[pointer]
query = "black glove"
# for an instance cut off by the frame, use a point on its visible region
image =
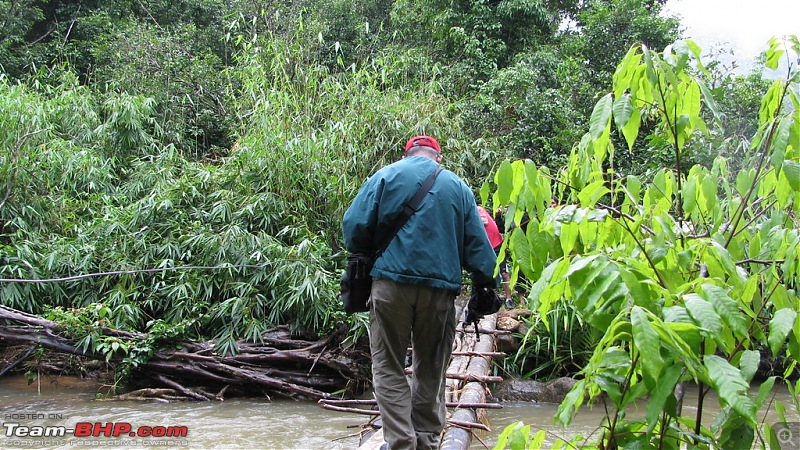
(483, 301)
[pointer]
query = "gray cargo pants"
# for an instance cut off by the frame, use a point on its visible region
(413, 414)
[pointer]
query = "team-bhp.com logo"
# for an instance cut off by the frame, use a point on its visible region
(97, 429)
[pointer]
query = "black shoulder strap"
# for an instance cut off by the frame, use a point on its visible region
(408, 210)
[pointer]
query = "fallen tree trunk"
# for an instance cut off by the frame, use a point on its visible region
(278, 365)
(474, 391)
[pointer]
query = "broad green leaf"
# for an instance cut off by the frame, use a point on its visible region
(648, 345)
(769, 104)
(625, 71)
(484, 192)
(664, 389)
(703, 314)
(590, 194)
(735, 433)
(569, 235)
(601, 117)
(685, 338)
(504, 179)
(744, 179)
(597, 289)
(622, 110)
(631, 129)
(639, 287)
(709, 189)
(748, 364)
(610, 385)
(730, 385)
(708, 99)
(569, 406)
(791, 170)
(780, 326)
(765, 391)
(780, 140)
(727, 308)
(519, 437)
(520, 248)
(627, 119)
(690, 195)
(633, 189)
(548, 288)
(774, 53)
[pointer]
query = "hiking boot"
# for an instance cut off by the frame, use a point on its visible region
(509, 303)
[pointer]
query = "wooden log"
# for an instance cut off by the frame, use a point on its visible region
(459, 438)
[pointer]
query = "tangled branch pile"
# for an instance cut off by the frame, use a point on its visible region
(280, 364)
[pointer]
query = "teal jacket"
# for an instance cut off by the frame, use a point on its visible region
(444, 235)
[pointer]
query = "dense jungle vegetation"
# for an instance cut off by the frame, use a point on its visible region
(181, 168)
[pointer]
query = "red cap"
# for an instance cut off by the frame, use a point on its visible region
(423, 141)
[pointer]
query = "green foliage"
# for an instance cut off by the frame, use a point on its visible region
(526, 109)
(519, 436)
(474, 37)
(73, 206)
(183, 79)
(216, 145)
(18, 18)
(558, 344)
(228, 247)
(313, 138)
(688, 275)
(607, 27)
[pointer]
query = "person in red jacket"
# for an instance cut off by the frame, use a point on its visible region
(496, 239)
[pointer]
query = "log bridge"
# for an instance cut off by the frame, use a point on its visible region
(468, 374)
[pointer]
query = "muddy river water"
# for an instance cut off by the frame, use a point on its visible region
(55, 403)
